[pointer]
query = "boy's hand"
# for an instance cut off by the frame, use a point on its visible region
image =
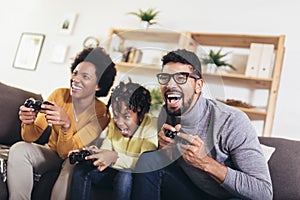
(104, 158)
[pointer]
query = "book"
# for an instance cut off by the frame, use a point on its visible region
(266, 61)
(253, 61)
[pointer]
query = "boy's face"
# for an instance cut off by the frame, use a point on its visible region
(126, 120)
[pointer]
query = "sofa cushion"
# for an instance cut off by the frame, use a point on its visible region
(10, 100)
(267, 151)
(284, 167)
(3, 190)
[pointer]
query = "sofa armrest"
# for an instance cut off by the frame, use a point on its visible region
(11, 99)
(284, 166)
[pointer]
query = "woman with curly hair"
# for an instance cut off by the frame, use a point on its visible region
(77, 118)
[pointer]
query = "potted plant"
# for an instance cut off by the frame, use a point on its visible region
(214, 60)
(156, 100)
(147, 17)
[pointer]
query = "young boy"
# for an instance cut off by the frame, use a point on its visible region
(131, 132)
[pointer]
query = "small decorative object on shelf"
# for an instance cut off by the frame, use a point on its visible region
(213, 61)
(238, 103)
(132, 55)
(147, 17)
(90, 41)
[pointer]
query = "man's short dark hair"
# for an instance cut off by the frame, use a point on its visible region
(185, 57)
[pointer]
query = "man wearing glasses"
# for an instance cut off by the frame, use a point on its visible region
(207, 150)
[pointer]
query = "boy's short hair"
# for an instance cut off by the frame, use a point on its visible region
(136, 97)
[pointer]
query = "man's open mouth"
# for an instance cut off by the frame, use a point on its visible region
(174, 100)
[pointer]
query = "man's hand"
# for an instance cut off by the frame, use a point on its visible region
(164, 141)
(195, 154)
(104, 158)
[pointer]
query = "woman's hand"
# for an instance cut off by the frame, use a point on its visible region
(55, 115)
(27, 115)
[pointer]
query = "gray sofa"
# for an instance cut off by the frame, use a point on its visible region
(10, 100)
(284, 163)
(284, 166)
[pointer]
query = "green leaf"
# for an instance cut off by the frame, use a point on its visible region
(148, 15)
(216, 58)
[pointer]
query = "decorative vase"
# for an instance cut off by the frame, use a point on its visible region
(211, 68)
(144, 24)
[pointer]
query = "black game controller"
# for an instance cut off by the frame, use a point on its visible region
(171, 134)
(36, 104)
(80, 157)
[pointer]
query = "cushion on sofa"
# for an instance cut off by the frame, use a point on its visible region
(10, 100)
(284, 167)
(267, 151)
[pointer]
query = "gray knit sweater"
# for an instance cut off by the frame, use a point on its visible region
(231, 140)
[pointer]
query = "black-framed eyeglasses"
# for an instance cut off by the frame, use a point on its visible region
(179, 78)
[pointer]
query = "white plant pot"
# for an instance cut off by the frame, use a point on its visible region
(144, 24)
(211, 68)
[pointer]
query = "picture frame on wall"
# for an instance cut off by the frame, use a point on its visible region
(67, 23)
(29, 50)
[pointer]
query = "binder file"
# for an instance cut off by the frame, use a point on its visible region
(253, 61)
(266, 61)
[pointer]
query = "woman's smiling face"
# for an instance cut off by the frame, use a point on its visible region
(84, 80)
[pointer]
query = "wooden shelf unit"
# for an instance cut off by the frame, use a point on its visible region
(151, 36)
(270, 84)
(191, 40)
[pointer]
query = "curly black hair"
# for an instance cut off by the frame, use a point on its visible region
(105, 67)
(185, 57)
(136, 97)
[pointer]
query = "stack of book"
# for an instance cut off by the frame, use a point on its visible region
(260, 60)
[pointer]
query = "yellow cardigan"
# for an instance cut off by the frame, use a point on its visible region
(129, 149)
(82, 131)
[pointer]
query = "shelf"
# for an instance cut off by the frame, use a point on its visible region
(254, 114)
(148, 35)
(129, 66)
(261, 83)
(233, 40)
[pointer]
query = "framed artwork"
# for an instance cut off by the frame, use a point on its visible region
(67, 23)
(28, 51)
